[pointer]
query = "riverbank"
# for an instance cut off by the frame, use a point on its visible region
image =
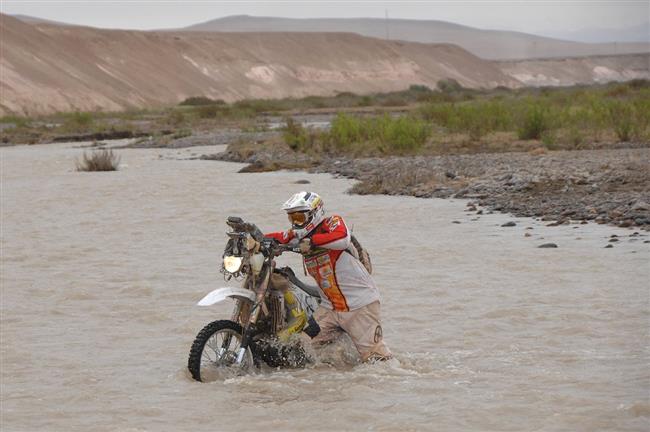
(604, 186)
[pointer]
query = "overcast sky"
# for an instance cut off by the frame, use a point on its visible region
(541, 17)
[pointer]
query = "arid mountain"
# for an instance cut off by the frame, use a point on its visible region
(487, 44)
(47, 68)
(578, 70)
(36, 20)
(638, 33)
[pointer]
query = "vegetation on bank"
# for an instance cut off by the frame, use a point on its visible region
(419, 120)
(360, 135)
(562, 118)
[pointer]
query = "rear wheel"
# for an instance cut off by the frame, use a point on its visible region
(214, 352)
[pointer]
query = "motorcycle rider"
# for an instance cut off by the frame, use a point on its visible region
(350, 300)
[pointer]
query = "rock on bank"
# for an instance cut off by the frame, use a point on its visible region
(604, 186)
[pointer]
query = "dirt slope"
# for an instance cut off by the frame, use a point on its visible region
(578, 70)
(487, 44)
(48, 68)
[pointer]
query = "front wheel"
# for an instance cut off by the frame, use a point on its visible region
(214, 352)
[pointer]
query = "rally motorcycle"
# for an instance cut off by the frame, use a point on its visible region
(270, 306)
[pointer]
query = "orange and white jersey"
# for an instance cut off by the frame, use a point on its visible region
(344, 282)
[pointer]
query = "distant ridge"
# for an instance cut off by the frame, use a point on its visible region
(487, 44)
(48, 68)
(36, 20)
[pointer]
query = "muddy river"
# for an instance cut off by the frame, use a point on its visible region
(101, 273)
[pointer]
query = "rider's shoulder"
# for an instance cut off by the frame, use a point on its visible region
(334, 219)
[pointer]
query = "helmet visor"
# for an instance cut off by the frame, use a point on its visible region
(298, 219)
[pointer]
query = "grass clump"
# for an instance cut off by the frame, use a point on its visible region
(98, 160)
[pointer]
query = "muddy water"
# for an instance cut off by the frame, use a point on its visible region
(101, 271)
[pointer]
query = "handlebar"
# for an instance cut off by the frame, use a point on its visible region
(238, 224)
(277, 249)
(273, 247)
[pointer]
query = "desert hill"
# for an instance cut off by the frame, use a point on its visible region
(48, 68)
(578, 70)
(487, 44)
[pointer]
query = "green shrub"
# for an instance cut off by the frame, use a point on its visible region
(17, 121)
(419, 88)
(207, 111)
(77, 120)
(642, 116)
(182, 133)
(385, 134)
(401, 135)
(476, 118)
(365, 101)
(201, 100)
(619, 90)
(575, 137)
(260, 105)
(621, 116)
(439, 113)
(345, 131)
(449, 85)
(549, 141)
(394, 101)
(638, 83)
(468, 119)
(175, 118)
(535, 122)
(296, 136)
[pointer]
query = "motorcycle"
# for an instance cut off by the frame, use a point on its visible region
(270, 306)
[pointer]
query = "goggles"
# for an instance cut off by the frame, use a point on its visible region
(298, 218)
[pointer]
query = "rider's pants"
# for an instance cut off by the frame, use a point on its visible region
(363, 325)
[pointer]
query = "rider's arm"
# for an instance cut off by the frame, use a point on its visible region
(282, 237)
(336, 236)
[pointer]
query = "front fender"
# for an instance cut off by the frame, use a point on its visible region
(220, 294)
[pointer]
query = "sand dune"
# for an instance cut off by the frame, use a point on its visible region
(48, 68)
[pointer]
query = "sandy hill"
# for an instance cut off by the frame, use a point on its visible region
(36, 20)
(578, 70)
(48, 68)
(487, 44)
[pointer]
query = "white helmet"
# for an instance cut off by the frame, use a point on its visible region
(305, 211)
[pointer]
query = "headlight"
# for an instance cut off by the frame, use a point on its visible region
(232, 264)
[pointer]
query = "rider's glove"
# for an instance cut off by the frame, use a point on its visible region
(305, 245)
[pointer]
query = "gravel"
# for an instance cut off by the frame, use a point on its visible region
(605, 186)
